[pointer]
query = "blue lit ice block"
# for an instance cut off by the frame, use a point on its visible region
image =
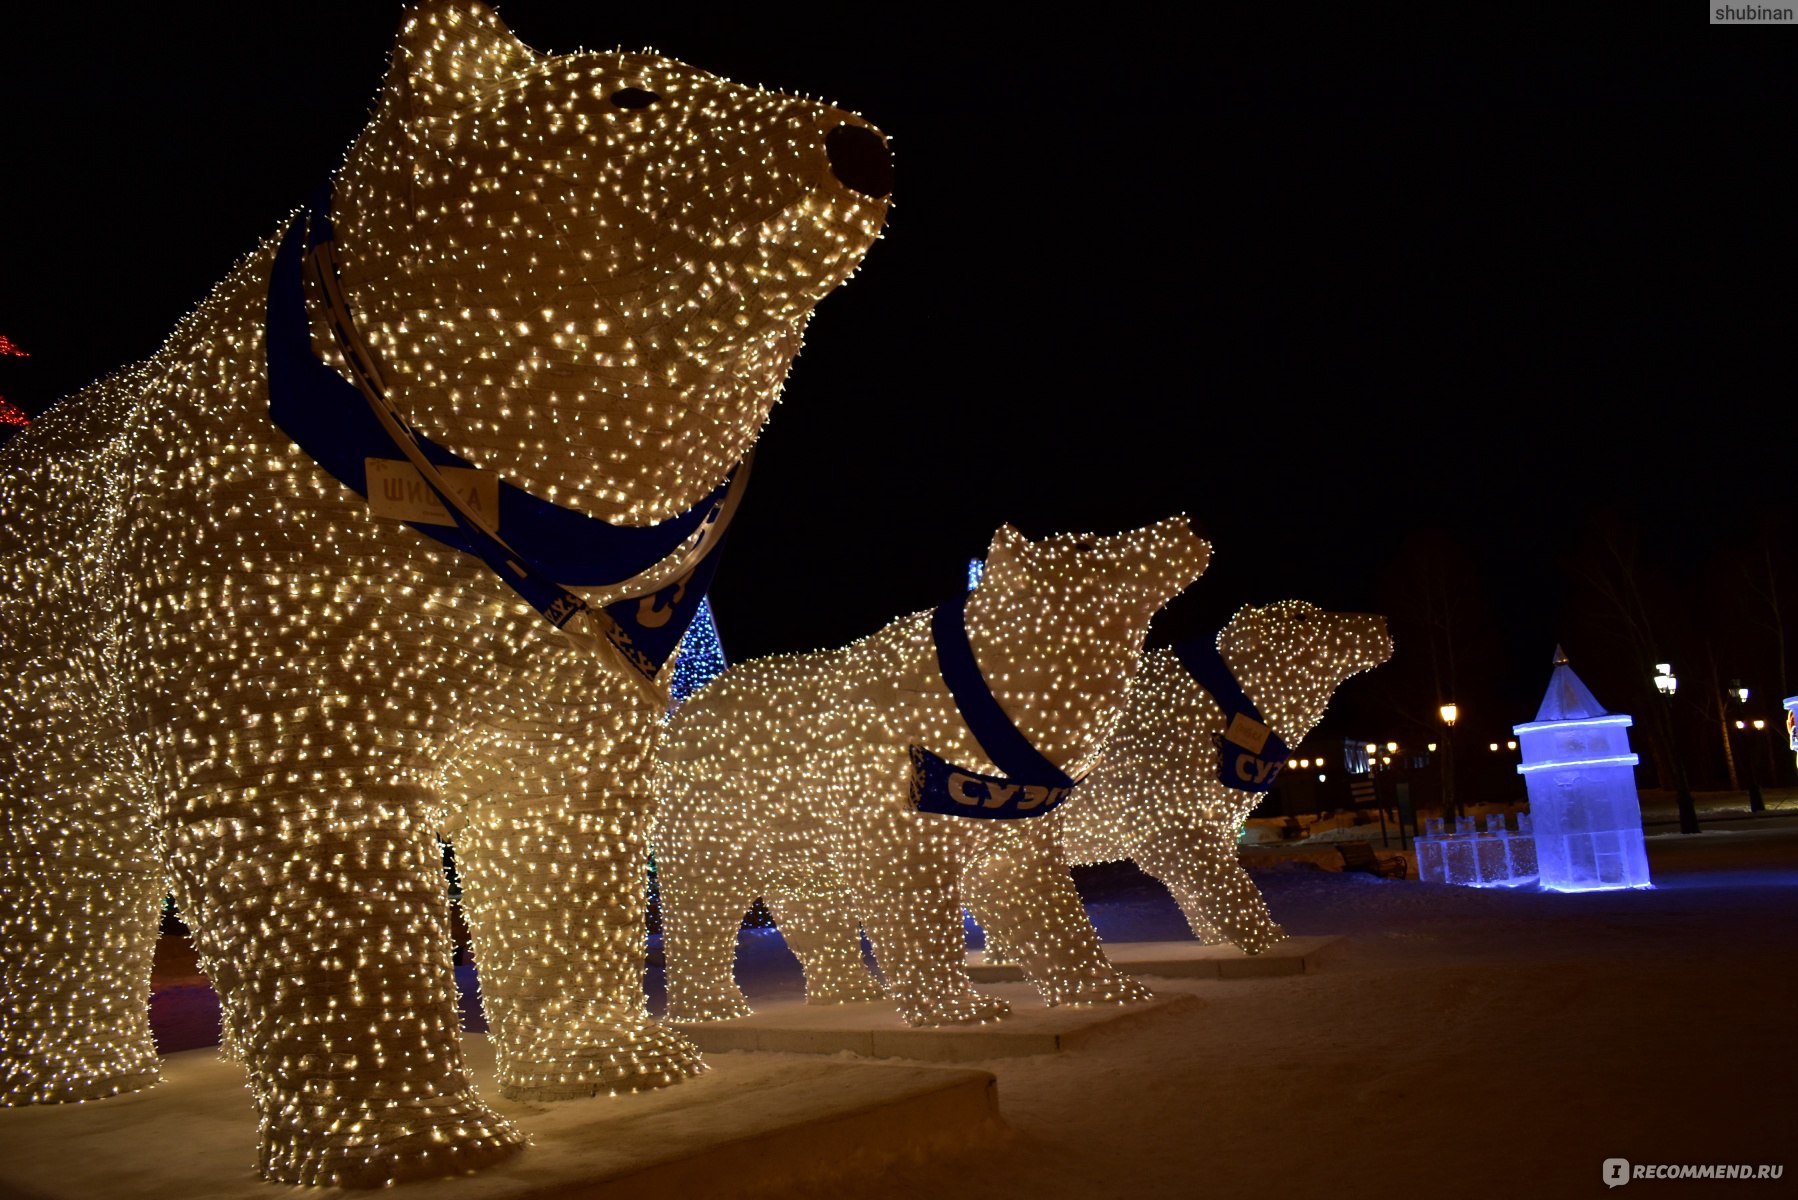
(1498, 858)
(1429, 853)
(1582, 787)
(1521, 849)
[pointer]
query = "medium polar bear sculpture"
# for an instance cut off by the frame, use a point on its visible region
(1160, 797)
(857, 786)
(540, 315)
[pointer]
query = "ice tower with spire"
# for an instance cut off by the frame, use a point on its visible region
(1581, 778)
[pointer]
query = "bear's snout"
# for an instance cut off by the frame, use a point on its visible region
(860, 160)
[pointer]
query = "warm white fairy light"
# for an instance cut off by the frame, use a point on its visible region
(588, 273)
(1156, 797)
(789, 778)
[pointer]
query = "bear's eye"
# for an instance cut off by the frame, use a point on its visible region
(631, 97)
(1086, 546)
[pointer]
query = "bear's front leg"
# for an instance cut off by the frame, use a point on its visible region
(1199, 866)
(1025, 893)
(330, 913)
(554, 872)
(903, 869)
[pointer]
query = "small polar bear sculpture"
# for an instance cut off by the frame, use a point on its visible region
(853, 787)
(567, 289)
(1158, 796)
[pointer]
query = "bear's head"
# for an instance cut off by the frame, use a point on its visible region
(1291, 656)
(590, 272)
(1058, 624)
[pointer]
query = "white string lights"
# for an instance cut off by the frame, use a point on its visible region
(1156, 797)
(587, 273)
(789, 778)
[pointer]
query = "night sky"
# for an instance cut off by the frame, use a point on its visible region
(1320, 298)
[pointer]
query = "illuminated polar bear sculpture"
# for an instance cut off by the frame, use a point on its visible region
(847, 787)
(1157, 796)
(586, 275)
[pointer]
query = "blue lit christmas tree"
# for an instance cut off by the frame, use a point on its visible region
(701, 655)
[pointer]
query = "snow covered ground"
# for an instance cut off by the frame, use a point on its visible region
(1458, 1043)
(1462, 1042)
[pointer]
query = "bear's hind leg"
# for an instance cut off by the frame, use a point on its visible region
(704, 897)
(79, 924)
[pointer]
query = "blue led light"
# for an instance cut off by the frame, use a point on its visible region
(1614, 760)
(1580, 723)
(976, 568)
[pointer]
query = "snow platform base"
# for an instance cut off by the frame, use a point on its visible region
(745, 1127)
(1189, 960)
(874, 1029)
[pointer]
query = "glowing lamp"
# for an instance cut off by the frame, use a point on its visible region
(1665, 681)
(1450, 712)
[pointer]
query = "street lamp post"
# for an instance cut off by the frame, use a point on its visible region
(1667, 683)
(1450, 712)
(1756, 802)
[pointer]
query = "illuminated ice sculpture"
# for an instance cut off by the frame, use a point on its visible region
(1791, 707)
(1581, 779)
(381, 544)
(860, 787)
(1469, 857)
(1172, 791)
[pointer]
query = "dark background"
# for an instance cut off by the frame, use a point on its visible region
(1486, 340)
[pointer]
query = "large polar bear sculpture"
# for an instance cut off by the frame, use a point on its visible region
(563, 289)
(856, 787)
(1173, 789)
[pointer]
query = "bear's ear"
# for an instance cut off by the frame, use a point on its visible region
(450, 51)
(1240, 627)
(1006, 551)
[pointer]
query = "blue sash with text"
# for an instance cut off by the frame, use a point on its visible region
(1250, 754)
(539, 549)
(1031, 785)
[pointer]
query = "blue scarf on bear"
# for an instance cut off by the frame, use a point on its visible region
(1250, 754)
(534, 546)
(1031, 785)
